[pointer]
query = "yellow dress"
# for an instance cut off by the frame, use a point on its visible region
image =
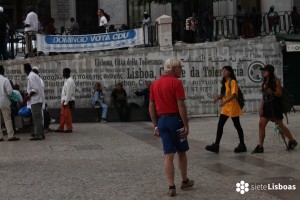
(232, 108)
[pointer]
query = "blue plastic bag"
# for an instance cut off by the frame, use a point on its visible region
(24, 112)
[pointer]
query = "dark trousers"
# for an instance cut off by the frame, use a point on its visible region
(101, 29)
(237, 125)
(47, 118)
(13, 113)
(3, 48)
(123, 111)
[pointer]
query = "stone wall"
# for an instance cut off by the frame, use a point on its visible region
(201, 72)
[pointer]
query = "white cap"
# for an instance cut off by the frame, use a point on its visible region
(1, 9)
(36, 68)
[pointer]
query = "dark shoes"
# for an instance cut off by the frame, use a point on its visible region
(258, 149)
(187, 184)
(33, 135)
(61, 131)
(35, 138)
(1, 139)
(213, 148)
(292, 144)
(13, 139)
(172, 191)
(240, 148)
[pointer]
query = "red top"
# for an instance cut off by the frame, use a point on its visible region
(164, 92)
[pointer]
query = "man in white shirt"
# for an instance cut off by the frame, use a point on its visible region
(5, 93)
(31, 27)
(67, 102)
(35, 99)
(102, 21)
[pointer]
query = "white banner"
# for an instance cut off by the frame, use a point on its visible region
(93, 42)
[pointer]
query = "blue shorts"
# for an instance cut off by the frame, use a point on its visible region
(167, 127)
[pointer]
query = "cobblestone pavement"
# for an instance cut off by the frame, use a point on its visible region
(124, 161)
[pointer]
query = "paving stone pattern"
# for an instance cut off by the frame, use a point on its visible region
(124, 161)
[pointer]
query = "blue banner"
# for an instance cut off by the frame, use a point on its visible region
(92, 42)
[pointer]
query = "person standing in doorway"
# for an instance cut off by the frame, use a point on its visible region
(230, 108)
(103, 22)
(67, 102)
(35, 99)
(4, 23)
(146, 23)
(74, 27)
(273, 20)
(31, 27)
(241, 17)
(169, 116)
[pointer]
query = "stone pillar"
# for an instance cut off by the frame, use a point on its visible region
(279, 5)
(117, 10)
(165, 32)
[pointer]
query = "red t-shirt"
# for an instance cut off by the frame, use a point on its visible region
(164, 92)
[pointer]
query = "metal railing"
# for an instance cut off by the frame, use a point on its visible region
(227, 27)
(16, 41)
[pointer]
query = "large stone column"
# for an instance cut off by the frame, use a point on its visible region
(224, 8)
(62, 13)
(117, 10)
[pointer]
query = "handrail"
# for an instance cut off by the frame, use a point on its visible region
(226, 26)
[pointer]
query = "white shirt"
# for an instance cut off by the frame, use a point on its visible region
(146, 21)
(34, 84)
(33, 21)
(68, 91)
(102, 21)
(5, 92)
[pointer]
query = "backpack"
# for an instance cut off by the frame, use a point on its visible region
(287, 103)
(240, 97)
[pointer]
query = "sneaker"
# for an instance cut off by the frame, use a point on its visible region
(258, 149)
(13, 139)
(1, 139)
(292, 144)
(103, 121)
(172, 191)
(240, 148)
(187, 184)
(213, 148)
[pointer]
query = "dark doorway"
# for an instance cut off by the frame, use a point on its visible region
(87, 15)
(291, 74)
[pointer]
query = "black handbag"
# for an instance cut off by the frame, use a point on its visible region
(72, 104)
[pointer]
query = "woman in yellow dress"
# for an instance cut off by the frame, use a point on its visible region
(230, 108)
